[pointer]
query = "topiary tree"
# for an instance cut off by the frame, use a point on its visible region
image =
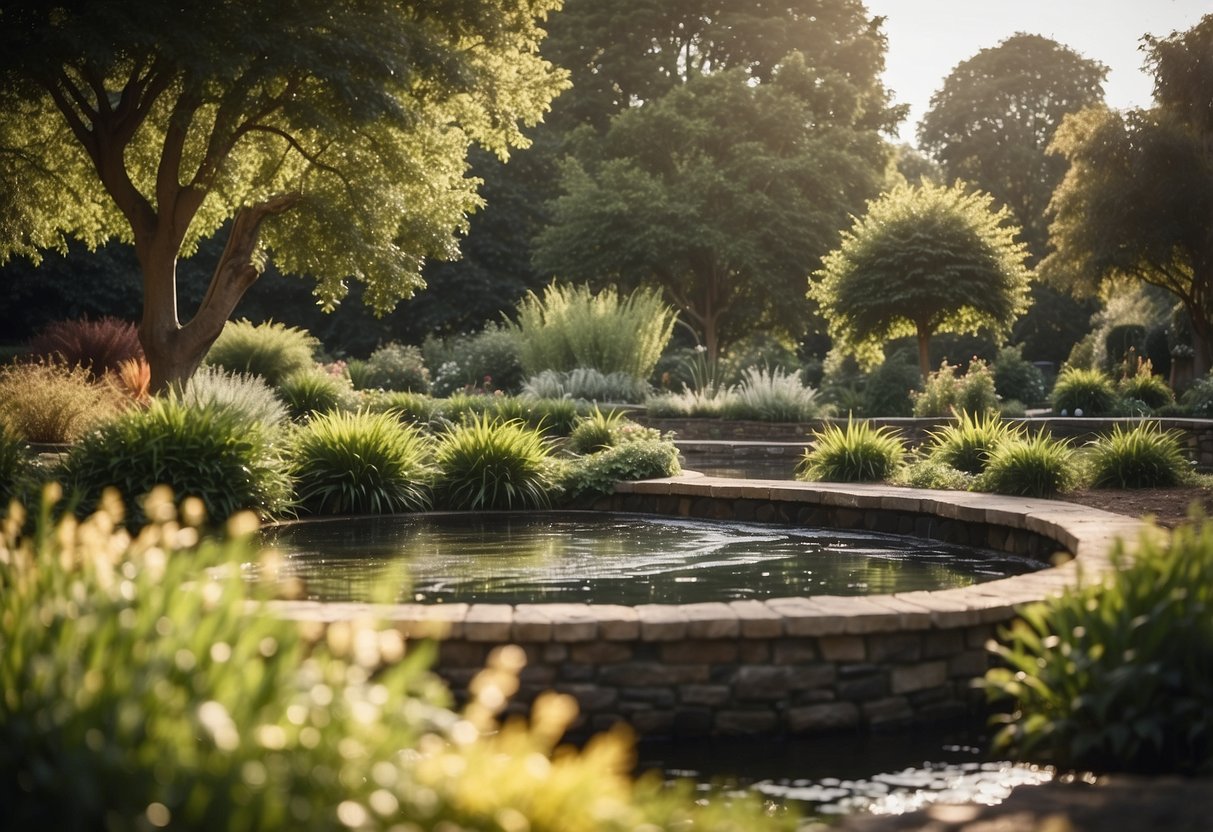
(332, 134)
(924, 259)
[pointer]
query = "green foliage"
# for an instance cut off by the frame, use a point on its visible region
(53, 402)
(933, 473)
(945, 392)
(360, 463)
(410, 408)
(1079, 392)
(703, 402)
(99, 346)
(572, 327)
(554, 417)
(860, 453)
(967, 444)
(1017, 378)
(213, 453)
(395, 367)
(270, 350)
(1116, 674)
(923, 259)
(247, 395)
(315, 391)
(1142, 457)
(16, 466)
(1142, 385)
(1198, 398)
(588, 384)
(641, 459)
(596, 431)
(167, 699)
(889, 389)
(356, 369)
(485, 464)
(1029, 466)
(488, 360)
(772, 396)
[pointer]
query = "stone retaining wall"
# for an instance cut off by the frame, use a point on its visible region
(781, 665)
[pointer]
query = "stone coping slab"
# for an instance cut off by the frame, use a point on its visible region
(1087, 535)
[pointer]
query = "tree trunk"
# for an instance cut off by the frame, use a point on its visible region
(924, 351)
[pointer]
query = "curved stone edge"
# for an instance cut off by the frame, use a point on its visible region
(1087, 534)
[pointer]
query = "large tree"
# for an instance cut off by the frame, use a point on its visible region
(923, 259)
(1137, 201)
(332, 134)
(720, 192)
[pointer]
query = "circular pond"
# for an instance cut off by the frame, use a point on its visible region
(604, 558)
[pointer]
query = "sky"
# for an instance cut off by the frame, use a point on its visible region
(928, 38)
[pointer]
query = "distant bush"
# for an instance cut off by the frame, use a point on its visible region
(1142, 457)
(315, 391)
(53, 402)
(946, 392)
(1017, 378)
(933, 473)
(485, 464)
(395, 367)
(486, 361)
(247, 395)
(270, 350)
(642, 459)
(966, 445)
(889, 389)
(1116, 674)
(772, 396)
(213, 453)
(1079, 392)
(860, 453)
(1140, 384)
(99, 346)
(587, 384)
(360, 463)
(1030, 466)
(571, 327)
(707, 403)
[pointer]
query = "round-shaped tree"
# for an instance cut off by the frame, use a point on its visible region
(924, 259)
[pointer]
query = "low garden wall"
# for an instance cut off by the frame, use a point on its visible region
(782, 665)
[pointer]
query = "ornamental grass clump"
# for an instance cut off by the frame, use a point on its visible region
(212, 453)
(308, 392)
(16, 466)
(773, 395)
(1079, 392)
(244, 394)
(1143, 386)
(1144, 456)
(572, 327)
(945, 392)
(100, 346)
(596, 431)
(270, 350)
(967, 443)
(170, 700)
(588, 384)
(487, 464)
(860, 453)
(1029, 466)
(54, 402)
(360, 463)
(1116, 674)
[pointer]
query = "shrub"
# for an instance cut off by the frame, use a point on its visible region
(51, 402)
(945, 392)
(1017, 378)
(99, 346)
(248, 396)
(1031, 466)
(1143, 457)
(1140, 384)
(595, 432)
(641, 459)
(360, 463)
(486, 464)
(165, 699)
(889, 389)
(933, 473)
(396, 367)
(1198, 398)
(772, 396)
(967, 443)
(270, 350)
(572, 327)
(1116, 674)
(314, 391)
(212, 453)
(861, 453)
(488, 360)
(409, 408)
(587, 384)
(1079, 392)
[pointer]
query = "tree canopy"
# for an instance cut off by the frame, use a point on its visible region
(1137, 200)
(923, 259)
(332, 135)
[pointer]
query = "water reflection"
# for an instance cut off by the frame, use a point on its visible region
(604, 558)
